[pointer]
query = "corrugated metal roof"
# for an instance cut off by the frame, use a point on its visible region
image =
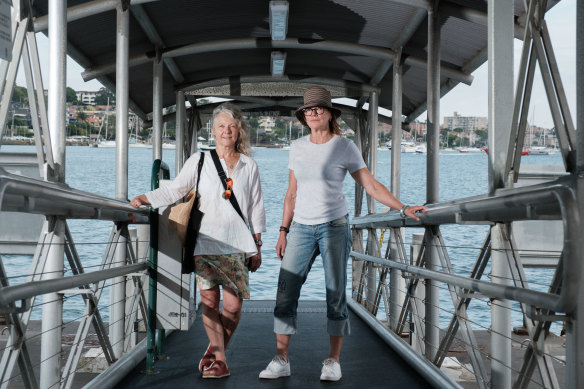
(376, 24)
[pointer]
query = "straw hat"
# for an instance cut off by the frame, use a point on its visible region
(317, 96)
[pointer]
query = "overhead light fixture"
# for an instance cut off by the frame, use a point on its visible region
(278, 20)
(278, 63)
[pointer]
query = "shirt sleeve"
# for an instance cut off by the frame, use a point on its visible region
(291, 155)
(178, 187)
(354, 159)
(256, 211)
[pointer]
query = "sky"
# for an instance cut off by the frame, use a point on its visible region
(464, 99)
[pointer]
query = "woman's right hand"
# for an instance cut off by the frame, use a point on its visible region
(139, 201)
(281, 245)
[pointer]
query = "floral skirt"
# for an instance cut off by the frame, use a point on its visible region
(227, 269)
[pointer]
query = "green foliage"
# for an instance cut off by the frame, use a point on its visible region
(81, 116)
(19, 95)
(483, 134)
(71, 95)
(253, 122)
(18, 122)
(103, 95)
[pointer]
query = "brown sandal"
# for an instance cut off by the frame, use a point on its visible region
(207, 360)
(217, 369)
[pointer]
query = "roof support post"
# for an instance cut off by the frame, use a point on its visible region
(575, 327)
(157, 106)
(500, 48)
(372, 247)
(180, 130)
(396, 285)
(432, 330)
(50, 369)
(8, 72)
(118, 292)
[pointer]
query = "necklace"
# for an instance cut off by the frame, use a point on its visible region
(230, 165)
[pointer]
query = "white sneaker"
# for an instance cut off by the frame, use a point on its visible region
(277, 368)
(331, 370)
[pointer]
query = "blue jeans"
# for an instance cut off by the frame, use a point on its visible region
(332, 240)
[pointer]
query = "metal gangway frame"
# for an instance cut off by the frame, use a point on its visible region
(377, 278)
(406, 288)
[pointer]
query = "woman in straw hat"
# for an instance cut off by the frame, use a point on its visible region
(228, 244)
(315, 221)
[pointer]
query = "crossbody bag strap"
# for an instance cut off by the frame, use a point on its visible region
(223, 178)
(196, 199)
(201, 160)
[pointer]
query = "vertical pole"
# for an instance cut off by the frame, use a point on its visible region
(180, 130)
(416, 338)
(500, 314)
(575, 326)
(50, 368)
(157, 107)
(432, 329)
(118, 292)
(357, 265)
(396, 283)
(500, 62)
(373, 248)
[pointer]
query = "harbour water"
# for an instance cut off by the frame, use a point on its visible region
(461, 175)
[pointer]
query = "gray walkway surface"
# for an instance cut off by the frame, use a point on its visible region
(367, 362)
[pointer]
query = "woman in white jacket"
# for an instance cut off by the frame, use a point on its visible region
(226, 250)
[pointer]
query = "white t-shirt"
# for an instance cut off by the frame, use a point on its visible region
(320, 170)
(222, 229)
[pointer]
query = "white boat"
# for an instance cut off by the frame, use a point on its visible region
(205, 146)
(408, 147)
(285, 147)
(139, 145)
(541, 150)
(171, 146)
(421, 149)
(469, 150)
(107, 144)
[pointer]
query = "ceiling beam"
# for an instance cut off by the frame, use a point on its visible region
(148, 27)
(266, 85)
(289, 43)
(84, 10)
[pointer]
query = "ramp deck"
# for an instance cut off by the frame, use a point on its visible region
(366, 361)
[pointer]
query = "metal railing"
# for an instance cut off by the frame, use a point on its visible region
(58, 202)
(159, 170)
(411, 291)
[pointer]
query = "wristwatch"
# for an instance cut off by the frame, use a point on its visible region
(258, 242)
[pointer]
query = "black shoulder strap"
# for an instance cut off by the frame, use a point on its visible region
(223, 178)
(201, 160)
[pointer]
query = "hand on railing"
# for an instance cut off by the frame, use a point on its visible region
(139, 201)
(411, 210)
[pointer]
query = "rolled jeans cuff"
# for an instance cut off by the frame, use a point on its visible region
(285, 325)
(338, 327)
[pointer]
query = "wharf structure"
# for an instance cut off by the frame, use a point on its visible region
(397, 54)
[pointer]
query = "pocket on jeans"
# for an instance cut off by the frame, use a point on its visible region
(340, 222)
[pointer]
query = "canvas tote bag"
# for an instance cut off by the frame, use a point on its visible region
(186, 218)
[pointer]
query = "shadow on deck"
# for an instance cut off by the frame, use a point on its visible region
(366, 360)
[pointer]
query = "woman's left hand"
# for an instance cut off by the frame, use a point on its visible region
(254, 263)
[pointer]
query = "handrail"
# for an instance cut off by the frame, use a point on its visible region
(489, 289)
(11, 294)
(158, 168)
(503, 207)
(523, 203)
(25, 194)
